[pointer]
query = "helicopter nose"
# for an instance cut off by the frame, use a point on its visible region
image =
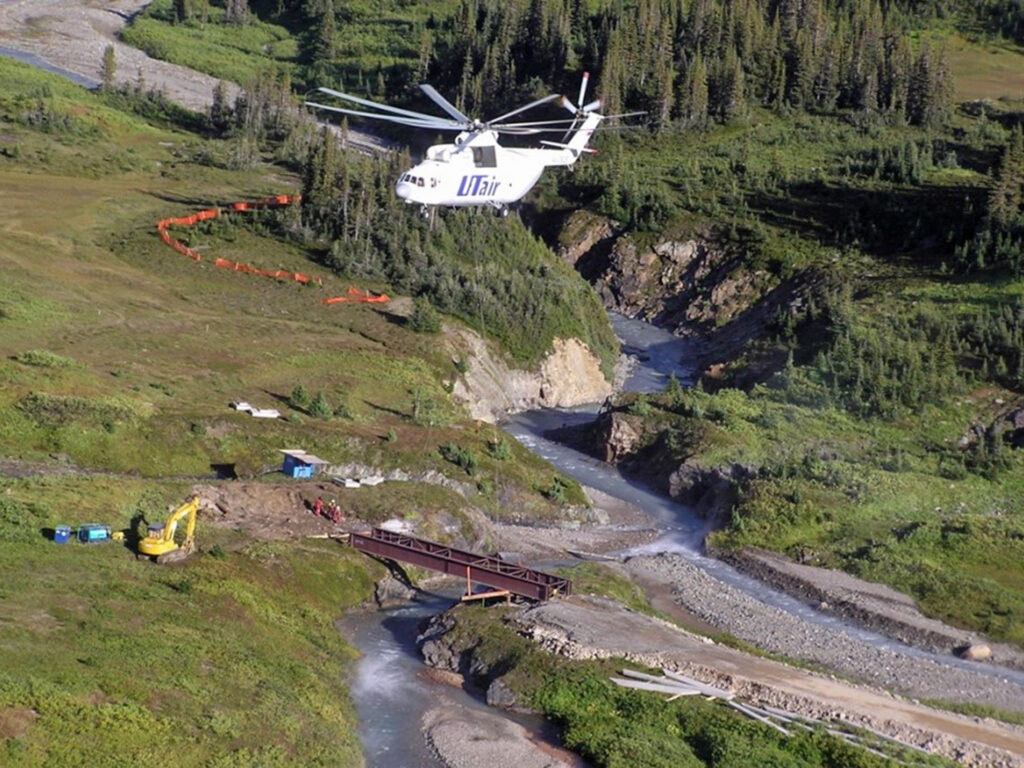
(403, 189)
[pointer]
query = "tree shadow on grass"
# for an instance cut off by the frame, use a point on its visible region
(881, 222)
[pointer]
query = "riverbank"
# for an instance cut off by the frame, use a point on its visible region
(465, 738)
(874, 606)
(71, 36)
(823, 644)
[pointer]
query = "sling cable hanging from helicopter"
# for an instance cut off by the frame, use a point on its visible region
(354, 295)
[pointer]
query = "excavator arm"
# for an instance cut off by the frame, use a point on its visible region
(188, 509)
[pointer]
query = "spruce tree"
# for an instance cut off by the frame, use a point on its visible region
(109, 69)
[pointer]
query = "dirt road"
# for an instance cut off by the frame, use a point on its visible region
(583, 627)
(72, 34)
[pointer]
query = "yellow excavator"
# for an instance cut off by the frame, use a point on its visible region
(159, 542)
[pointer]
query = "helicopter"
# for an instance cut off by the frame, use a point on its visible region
(476, 170)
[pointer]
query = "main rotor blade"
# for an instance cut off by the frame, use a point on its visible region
(382, 107)
(567, 121)
(516, 131)
(625, 114)
(437, 123)
(442, 102)
(531, 105)
(600, 129)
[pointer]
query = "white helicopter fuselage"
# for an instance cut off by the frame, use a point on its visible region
(476, 170)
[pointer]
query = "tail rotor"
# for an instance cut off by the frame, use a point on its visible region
(579, 109)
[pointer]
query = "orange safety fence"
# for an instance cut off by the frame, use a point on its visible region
(362, 297)
(276, 201)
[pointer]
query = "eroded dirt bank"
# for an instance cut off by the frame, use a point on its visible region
(875, 606)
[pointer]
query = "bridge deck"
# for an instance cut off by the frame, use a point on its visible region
(482, 569)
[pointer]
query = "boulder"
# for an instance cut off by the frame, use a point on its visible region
(389, 592)
(620, 438)
(500, 695)
(975, 652)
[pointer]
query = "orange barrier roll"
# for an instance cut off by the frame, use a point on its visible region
(359, 297)
(274, 201)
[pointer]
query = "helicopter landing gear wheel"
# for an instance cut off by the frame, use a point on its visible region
(424, 212)
(502, 211)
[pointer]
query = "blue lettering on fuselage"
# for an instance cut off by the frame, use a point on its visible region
(478, 185)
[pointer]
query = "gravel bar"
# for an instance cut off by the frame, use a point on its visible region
(777, 632)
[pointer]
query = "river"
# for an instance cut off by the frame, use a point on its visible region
(660, 355)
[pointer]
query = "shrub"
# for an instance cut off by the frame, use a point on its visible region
(640, 406)
(500, 449)
(424, 318)
(42, 358)
(462, 457)
(321, 408)
(299, 398)
(19, 521)
(557, 490)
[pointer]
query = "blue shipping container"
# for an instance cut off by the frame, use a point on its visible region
(62, 534)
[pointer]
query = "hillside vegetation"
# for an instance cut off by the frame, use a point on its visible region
(119, 358)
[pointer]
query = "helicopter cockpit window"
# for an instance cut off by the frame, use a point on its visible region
(484, 157)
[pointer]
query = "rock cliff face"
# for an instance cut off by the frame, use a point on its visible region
(569, 375)
(625, 440)
(691, 283)
(687, 283)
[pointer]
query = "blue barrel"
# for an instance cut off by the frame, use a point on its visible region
(62, 534)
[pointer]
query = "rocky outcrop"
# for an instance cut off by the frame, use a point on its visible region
(711, 492)
(436, 645)
(691, 284)
(389, 592)
(1008, 427)
(619, 436)
(569, 375)
(583, 233)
